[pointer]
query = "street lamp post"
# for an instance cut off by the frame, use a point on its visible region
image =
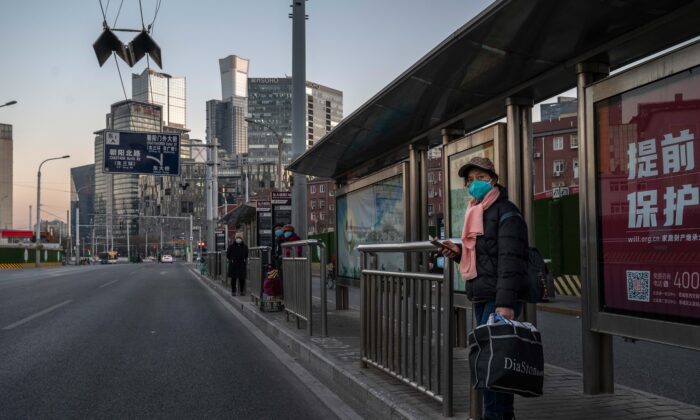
(280, 141)
(38, 209)
(8, 103)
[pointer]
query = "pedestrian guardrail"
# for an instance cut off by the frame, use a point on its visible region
(258, 260)
(296, 282)
(406, 321)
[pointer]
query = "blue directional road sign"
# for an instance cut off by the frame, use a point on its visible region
(141, 153)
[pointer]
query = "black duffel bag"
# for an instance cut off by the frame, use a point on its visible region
(506, 356)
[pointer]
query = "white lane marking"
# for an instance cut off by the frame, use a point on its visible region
(36, 315)
(326, 396)
(108, 283)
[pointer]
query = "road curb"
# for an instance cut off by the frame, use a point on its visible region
(376, 398)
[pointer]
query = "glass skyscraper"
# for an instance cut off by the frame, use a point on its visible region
(226, 117)
(124, 189)
(167, 91)
(270, 104)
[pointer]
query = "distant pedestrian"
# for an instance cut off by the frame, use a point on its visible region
(492, 258)
(237, 255)
(289, 235)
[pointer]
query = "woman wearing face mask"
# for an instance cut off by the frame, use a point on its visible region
(289, 235)
(237, 254)
(492, 258)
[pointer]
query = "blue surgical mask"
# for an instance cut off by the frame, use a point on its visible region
(478, 189)
(287, 234)
(239, 241)
(278, 233)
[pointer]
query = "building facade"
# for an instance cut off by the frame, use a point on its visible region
(226, 117)
(270, 106)
(555, 157)
(117, 196)
(435, 193)
(6, 176)
(82, 188)
(321, 195)
(162, 89)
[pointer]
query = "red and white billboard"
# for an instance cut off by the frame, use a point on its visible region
(648, 186)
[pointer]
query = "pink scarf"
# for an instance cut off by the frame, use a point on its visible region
(473, 227)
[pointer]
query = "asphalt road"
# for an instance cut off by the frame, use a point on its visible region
(134, 341)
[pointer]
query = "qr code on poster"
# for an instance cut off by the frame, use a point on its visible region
(638, 285)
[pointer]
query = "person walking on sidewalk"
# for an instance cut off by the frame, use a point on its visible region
(237, 255)
(492, 259)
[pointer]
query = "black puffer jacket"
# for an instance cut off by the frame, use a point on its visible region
(501, 256)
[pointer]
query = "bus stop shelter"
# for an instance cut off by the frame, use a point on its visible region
(515, 54)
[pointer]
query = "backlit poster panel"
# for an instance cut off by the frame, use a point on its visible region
(371, 215)
(648, 186)
(459, 196)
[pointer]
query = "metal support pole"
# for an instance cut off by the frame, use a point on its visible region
(214, 193)
(128, 243)
(597, 348)
(414, 205)
(145, 249)
(37, 242)
(324, 304)
(309, 289)
(77, 235)
(446, 373)
(299, 201)
(527, 206)
(190, 256)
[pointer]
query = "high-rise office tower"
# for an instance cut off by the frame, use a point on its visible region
(270, 105)
(226, 117)
(126, 115)
(165, 90)
(5, 176)
(82, 188)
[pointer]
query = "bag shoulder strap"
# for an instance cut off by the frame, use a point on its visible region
(508, 215)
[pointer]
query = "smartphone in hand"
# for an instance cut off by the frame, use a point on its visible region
(436, 242)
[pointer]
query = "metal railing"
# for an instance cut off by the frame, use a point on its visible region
(296, 282)
(258, 259)
(406, 321)
(217, 265)
(212, 264)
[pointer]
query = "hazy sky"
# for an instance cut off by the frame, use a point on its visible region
(49, 67)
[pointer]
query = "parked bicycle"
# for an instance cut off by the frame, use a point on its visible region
(330, 276)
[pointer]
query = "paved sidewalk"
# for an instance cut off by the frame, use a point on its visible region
(336, 359)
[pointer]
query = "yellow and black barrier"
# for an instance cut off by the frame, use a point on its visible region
(568, 284)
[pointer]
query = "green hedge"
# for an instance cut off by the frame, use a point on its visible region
(16, 255)
(557, 233)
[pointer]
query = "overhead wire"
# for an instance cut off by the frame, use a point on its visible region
(118, 12)
(155, 15)
(143, 24)
(120, 75)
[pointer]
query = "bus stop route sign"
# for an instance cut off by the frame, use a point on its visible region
(141, 153)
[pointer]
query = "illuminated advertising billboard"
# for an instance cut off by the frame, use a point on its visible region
(648, 190)
(371, 215)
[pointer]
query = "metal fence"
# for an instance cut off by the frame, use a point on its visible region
(258, 260)
(297, 284)
(217, 265)
(406, 321)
